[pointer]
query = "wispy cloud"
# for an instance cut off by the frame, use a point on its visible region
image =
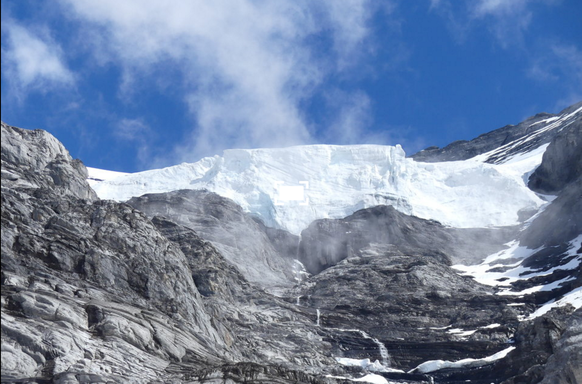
(351, 117)
(245, 66)
(131, 129)
(139, 134)
(507, 20)
(559, 63)
(32, 61)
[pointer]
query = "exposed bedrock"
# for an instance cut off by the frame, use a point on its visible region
(326, 242)
(560, 173)
(420, 308)
(239, 238)
(561, 163)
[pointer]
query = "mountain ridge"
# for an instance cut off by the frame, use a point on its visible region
(465, 149)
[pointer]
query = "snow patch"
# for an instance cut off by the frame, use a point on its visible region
(96, 175)
(573, 298)
(460, 332)
(375, 366)
(435, 365)
(485, 273)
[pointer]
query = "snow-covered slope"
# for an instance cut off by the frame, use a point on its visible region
(291, 187)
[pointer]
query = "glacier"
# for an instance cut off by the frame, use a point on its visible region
(339, 180)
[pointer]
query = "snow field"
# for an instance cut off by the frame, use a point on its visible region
(339, 180)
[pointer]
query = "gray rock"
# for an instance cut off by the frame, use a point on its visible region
(91, 291)
(565, 365)
(97, 291)
(561, 163)
(36, 159)
(234, 233)
(410, 303)
(536, 341)
(560, 222)
(328, 241)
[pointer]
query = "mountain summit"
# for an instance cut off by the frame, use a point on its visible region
(309, 264)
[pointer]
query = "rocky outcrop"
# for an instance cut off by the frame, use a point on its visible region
(515, 138)
(212, 274)
(285, 243)
(561, 163)
(539, 341)
(90, 288)
(418, 307)
(564, 366)
(93, 291)
(35, 159)
(560, 173)
(234, 233)
(326, 242)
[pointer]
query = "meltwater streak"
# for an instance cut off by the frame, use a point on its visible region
(381, 347)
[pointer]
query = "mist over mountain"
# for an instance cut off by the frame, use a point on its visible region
(307, 264)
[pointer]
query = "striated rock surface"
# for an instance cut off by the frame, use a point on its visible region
(90, 288)
(560, 222)
(93, 291)
(563, 367)
(36, 159)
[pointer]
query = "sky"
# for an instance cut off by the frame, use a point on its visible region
(133, 85)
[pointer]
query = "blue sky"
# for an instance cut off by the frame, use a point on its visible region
(134, 85)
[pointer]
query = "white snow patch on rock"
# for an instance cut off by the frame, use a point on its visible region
(573, 298)
(375, 366)
(435, 365)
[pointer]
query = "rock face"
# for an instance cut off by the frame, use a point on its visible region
(238, 237)
(326, 242)
(89, 287)
(564, 365)
(185, 287)
(35, 159)
(562, 161)
(93, 291)
(411, 304)
(560, 222)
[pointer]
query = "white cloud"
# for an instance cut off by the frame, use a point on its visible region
(140, 134)
(507, 20)
(498, 7)
(131, 129)
(246, 66)
(351, 117)
(559, 63)
(32, 61)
